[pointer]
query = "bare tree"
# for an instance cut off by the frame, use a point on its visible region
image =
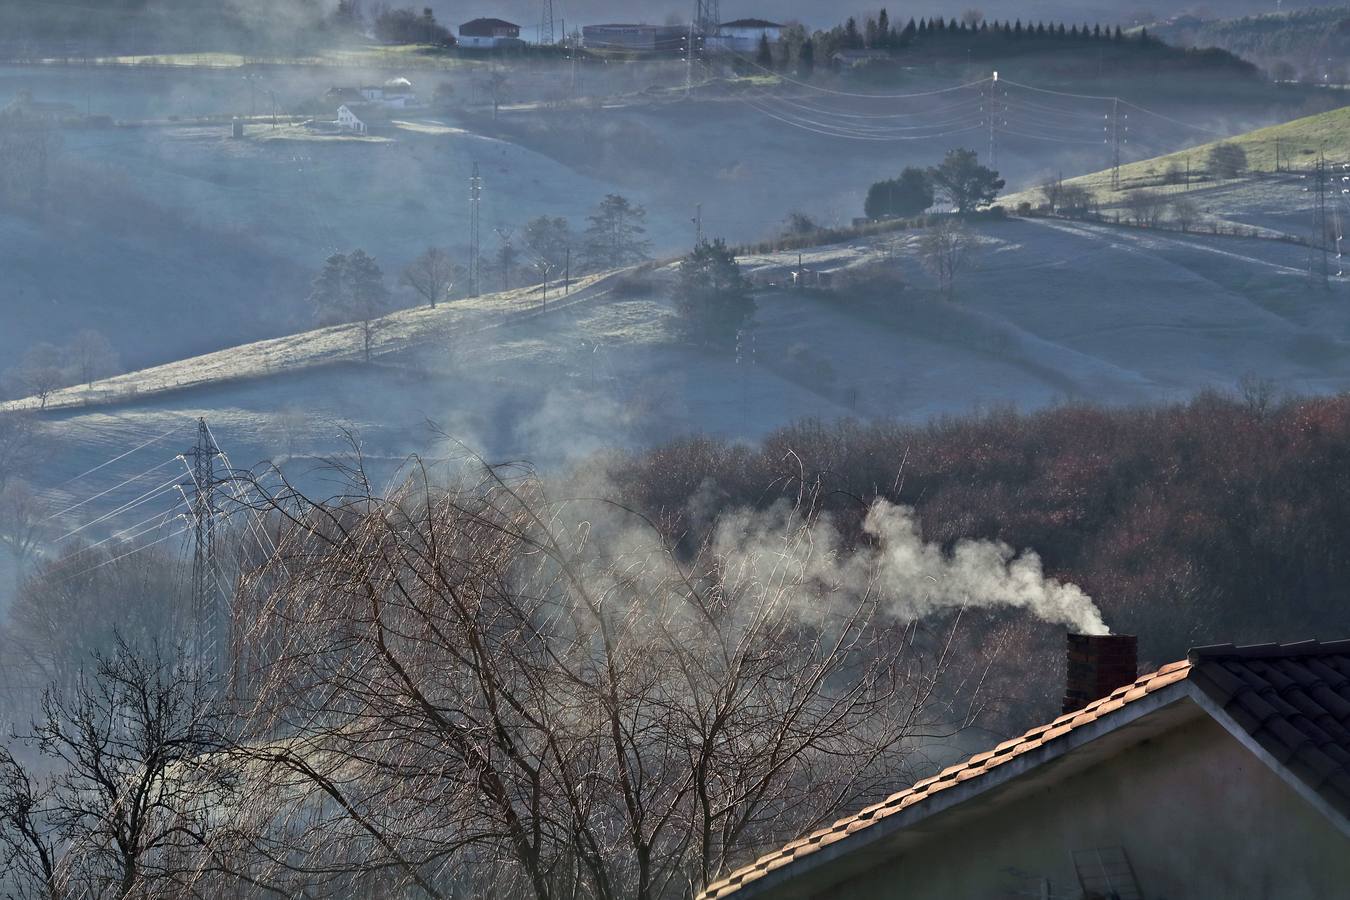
(481, 702)
(41, 372)
(1185, 213)
(91, 356)
(432, 275)
(24, 517)
(945, 252)
(18, 445)
(134, 778)
(78, 605)
(1146, 208)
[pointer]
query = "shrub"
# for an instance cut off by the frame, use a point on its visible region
(1227, 160)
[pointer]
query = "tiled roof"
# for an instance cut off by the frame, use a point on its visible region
(1293, 700)
(958, 774)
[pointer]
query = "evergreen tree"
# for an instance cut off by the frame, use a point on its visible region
(616, 235)
(902, 197)
(351, 288)
(961, 181)
(712, 297)
(852, 38)
(883, 28)
(764, 56)
(806, 59)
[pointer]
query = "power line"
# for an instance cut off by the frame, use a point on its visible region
(126, 507)
(120, 456)
(115, 487)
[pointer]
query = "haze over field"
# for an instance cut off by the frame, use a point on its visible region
(438, 459)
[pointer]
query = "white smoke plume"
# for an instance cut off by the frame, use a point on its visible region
(913, 578)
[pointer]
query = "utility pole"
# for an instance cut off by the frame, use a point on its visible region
(475, 244)
(201, 461)
(567, 271)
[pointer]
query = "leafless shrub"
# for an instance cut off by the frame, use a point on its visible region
(945, 251)
(480, 691)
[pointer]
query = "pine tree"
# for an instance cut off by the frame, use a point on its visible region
(764, 56)
(806, 59)
(852, 38)
(712, 297)
(616, 235)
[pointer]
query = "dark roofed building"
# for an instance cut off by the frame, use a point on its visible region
(1224, 775)
(489, 33)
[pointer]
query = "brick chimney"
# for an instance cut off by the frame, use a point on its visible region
(1098, 664)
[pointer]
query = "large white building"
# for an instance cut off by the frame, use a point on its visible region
(349, 121)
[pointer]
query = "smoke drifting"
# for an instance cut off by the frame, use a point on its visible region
(910, 577)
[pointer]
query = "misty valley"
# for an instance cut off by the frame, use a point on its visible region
(605, 450)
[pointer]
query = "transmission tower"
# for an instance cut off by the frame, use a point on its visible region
(475, 243)
(707, 16)
(546, 36)
(201, 460)
(991, 113)
(1115, 144)
(1318, 263)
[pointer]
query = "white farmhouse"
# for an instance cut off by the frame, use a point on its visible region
(348, 121)
(396, 93)
(744, 35)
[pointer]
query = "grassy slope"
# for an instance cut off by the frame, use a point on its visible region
(1300, 141)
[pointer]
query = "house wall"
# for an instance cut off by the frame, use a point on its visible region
(1198, 815)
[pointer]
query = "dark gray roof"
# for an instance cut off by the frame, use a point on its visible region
(750, 23)
(1294, 701)
(485, 27)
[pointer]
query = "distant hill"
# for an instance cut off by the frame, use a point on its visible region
(1298, 144)
(1309, 44)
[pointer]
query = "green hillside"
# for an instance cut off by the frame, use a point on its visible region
(1297, 144)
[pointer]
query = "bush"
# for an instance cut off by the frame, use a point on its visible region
(1227, 160)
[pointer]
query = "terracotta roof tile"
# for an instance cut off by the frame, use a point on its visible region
(1293, 699)
(971, 769)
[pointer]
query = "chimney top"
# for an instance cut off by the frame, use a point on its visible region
(1097, 665)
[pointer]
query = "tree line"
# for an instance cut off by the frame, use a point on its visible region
(352, 287)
